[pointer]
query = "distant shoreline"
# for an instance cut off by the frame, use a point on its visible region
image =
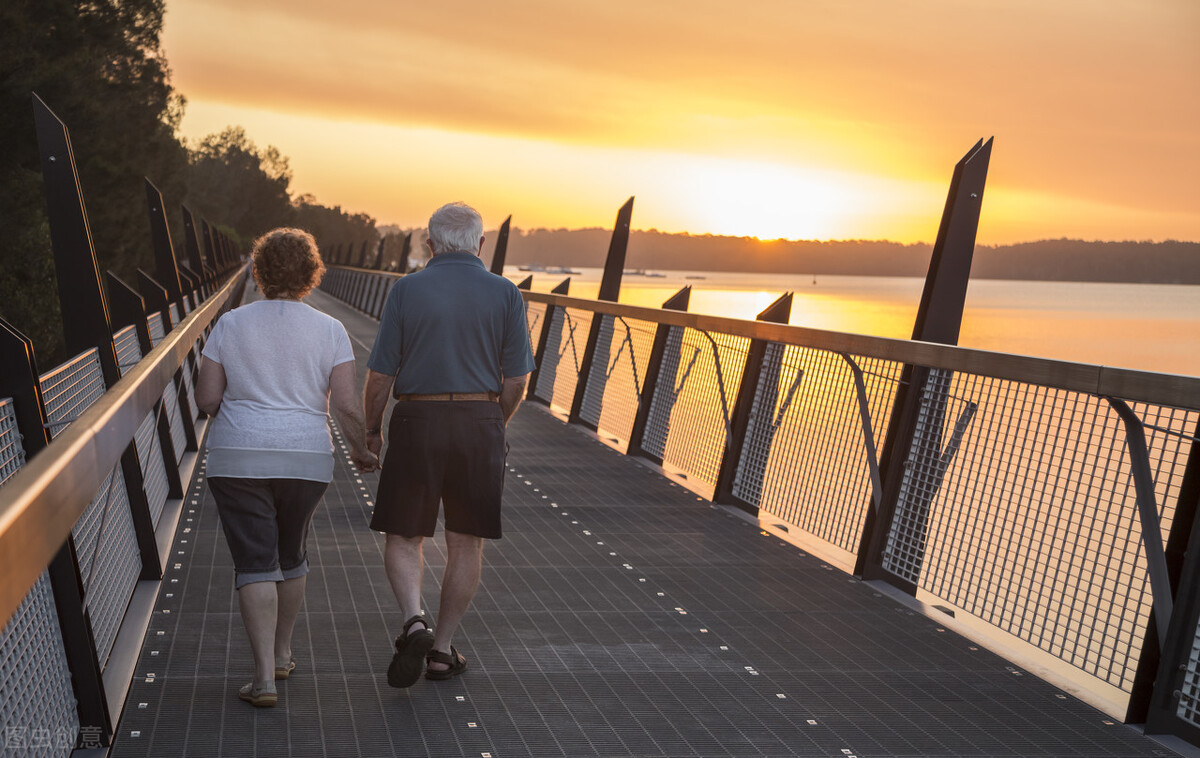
(1169, 262)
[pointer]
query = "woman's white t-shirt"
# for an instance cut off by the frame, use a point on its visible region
(274, 416)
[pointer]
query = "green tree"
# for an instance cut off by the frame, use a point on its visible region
(98, 64)
(333, 226)
(232, 182)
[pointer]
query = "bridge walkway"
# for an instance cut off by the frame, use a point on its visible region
(620, 616)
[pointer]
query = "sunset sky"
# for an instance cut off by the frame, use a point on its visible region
(771, 118)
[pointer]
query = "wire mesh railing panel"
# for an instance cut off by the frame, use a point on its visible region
(129, 351)
(560, 367)
(170, 407)
(70, 389)
(1189, 692)
(109, 560)
(188, 384)
(805, 459)
(618, 372)
(1018, 505)
(154, 468)
(173, 310)
(37, 699)
(691, 413)
(534, 313)
(155, 325)
(12, 452)
(37, 702)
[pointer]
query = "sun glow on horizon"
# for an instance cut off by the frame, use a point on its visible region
(398, 174)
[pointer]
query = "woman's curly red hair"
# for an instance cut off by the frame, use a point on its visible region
(286, 264)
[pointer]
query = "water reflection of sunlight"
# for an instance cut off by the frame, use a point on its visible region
(1149, 327)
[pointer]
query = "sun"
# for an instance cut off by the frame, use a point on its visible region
(768, 201)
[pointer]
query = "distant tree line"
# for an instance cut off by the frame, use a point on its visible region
(99, 65)
(1169, 262)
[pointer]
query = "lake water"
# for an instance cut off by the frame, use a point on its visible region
(1152, 327)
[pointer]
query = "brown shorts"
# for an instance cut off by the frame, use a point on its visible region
(447, 452)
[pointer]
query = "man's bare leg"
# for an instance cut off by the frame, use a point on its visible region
(464, 564)
(405, 563)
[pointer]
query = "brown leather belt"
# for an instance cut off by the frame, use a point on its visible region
(449, 396)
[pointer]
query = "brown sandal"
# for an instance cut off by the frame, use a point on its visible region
(453, 659)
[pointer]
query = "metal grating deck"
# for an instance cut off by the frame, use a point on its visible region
(619, 616)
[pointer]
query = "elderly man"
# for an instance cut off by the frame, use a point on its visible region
(453, 348)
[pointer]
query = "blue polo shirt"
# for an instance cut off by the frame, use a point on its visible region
(452, 327)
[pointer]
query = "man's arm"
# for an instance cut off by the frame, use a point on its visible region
(376, 391)
(512, 392)
(343, 403)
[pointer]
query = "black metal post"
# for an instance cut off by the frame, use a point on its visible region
(610, 290)
(191, 283)
(362, 254)
(938, 320)
(165, 441)
(128, 309)
(210, 253)
(154, 297)
(563, 288)
(501, 249)
(379, 254)
(526, 283)
(191, 239)
(777, 313)
(614, 264)
(166, 267)
(654, 368)
(19, 380)
(85, 318)
(1161, 671)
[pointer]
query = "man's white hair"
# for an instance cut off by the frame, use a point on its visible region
(455, 227)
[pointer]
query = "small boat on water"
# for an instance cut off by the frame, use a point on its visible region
(642, 272)
(539, 268)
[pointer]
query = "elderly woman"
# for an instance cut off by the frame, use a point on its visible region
(272, 371)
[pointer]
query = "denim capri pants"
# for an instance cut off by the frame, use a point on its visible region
(266, 525)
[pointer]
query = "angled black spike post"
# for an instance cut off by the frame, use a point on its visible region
(86, 325)
(610, 289)
(526, 283)
(659, 365)
(154, 295)
(379, 254)
(129, 310)
(85, 316)
(758, 371)
(191, 239)
(166, 267)
(501, 249)
(562, 288)
(939, 319)
(210, 253)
